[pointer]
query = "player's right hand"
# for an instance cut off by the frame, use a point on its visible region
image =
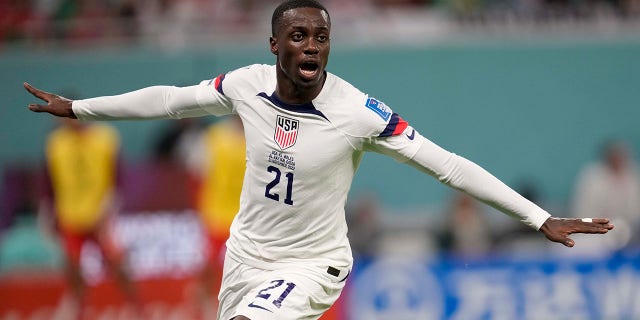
(559, 229)
(56, 105)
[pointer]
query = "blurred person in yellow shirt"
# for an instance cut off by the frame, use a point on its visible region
(82, 177)
(218, 167)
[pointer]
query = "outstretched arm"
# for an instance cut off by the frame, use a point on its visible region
(559, 229)
(56, 105)
(156, 102)
(464, 175)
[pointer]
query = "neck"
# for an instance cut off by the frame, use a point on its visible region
(288, 92)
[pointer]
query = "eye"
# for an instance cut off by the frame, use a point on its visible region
(297, 36)
(322, 38)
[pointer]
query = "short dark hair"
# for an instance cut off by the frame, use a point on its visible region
(293, 4)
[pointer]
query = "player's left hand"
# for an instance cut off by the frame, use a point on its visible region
(56, 105)
(559, 229)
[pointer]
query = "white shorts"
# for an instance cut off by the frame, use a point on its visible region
(292, 292)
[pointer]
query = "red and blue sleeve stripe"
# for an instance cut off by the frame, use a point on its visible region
(396, 126)
(217, 82)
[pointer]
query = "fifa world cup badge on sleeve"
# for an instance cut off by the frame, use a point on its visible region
(379, 108)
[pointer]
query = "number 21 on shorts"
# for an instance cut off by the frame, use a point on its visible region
(275, 293)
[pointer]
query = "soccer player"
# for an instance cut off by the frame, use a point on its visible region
(82, 172)
(306, 131)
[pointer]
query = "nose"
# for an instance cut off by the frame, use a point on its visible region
(312, 47)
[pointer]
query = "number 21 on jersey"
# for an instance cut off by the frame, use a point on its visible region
(271, 194)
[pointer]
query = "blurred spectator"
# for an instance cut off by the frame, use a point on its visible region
(178, 141)
(516, 239)
(631, 8)
(239, 13)
(90, 21)
(467, 232)
(19, 193)
(168, 23)
(401, 3)
(64, 12)
(145, 185)
(220, 176)
(363, 220)
(176, 151)
(14, 17)
(466, 9)
(82, 167)
(127, 13)
(610, 188)
(78, 21)
(174, 24)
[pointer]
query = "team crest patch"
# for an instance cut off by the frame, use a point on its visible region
(379, 108)
(286, 132)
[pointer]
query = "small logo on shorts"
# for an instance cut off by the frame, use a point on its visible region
(251, 305)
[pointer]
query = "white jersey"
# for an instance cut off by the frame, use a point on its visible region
(301, 160)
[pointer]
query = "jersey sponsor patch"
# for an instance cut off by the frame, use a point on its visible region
(286, 132)
(379, 108)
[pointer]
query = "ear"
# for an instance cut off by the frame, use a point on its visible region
(274, 45)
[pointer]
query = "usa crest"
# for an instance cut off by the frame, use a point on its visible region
(286, 132)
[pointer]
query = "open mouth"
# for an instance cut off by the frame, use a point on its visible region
(308, 69)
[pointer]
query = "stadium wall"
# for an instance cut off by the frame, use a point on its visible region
(528, 112)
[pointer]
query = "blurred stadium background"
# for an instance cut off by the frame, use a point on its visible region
(529, 89)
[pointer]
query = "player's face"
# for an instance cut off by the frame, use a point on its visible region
(302, 46)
